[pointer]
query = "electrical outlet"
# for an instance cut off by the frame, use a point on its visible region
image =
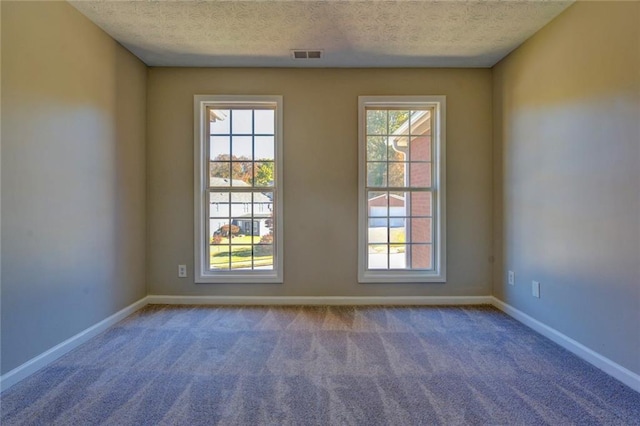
(535, 289)
(182, 271)
(512, 278)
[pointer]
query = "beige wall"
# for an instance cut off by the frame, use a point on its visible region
(567, 177)
(73, 170)
(320, 176)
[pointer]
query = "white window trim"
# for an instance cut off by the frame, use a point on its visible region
(202, 273)
(438, 275)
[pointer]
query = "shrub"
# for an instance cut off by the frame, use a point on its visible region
(224, 230)
(265, 248)
(266, 239)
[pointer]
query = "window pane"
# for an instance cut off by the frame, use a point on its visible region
(378, 230)
(376, 148)
(397, 256)
(398, 174)
(264, 121)
(421, 203)
(421, 148)
(242, 227)
(377, 203)
(397, 230)
(421, 230)
(376, 122)
(219, 148)
(421, 122)
(421, 175)
(239, 226)
(263, 256)
(219, 173)
(376, 174)
(398, 122)
(218, 205)
(264, 173)
(216, 230)
(264, 148)
(241, 257)
(241, 120)
(219, 121)
(397, 204)
(422, 256)
(397, 152)
(242, 147)
(242, 173)
(262, 204)
(219, 256)
(377, 256)
(215, 238)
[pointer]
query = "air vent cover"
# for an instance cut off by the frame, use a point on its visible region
(306, 54)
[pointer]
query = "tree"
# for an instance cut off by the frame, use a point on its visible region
(384, 123)
(265, 248)
(241, 168)
(264, 173)
(229, 230)
(377, 121)
(227, 167)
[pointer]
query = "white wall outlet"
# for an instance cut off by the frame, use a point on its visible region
(535, 289)
(512, 278)
(182, 271)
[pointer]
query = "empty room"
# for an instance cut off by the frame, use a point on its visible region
(320, 212)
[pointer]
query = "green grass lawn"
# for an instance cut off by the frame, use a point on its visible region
(240, 253)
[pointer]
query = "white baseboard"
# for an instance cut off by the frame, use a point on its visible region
(318, 300)
(28, 368)
(613, 369)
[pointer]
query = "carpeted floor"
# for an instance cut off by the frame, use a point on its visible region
(173, 365)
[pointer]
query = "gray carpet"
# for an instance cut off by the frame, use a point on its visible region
(172, 365)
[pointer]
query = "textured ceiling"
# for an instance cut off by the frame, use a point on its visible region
(351, 33)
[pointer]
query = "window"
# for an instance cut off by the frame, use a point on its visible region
(238, 194)
(401, 189)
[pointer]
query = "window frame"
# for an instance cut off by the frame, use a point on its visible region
(202, 273)
(438, 190)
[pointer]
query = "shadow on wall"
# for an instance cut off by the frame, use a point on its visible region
(73, 166)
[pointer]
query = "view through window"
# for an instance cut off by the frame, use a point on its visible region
(401, 188)
(239, 194)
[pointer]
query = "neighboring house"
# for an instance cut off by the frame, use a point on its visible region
(242, 212)
(378, 210)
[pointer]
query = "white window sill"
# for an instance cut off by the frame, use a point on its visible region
(400, 277)
(239, 278)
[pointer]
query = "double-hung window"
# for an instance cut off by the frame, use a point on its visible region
(238, 193)
(401, 189)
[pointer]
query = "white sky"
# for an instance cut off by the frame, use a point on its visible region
(242, 124)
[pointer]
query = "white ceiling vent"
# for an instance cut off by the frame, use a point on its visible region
(306, 54)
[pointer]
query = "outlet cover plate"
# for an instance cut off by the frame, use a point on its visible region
(182, 271)
(512, 278)
(535, 289)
